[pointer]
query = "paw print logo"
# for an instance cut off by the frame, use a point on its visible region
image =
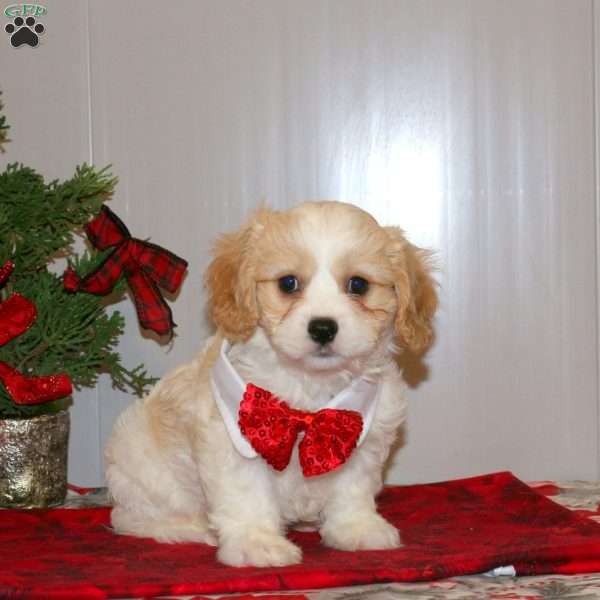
(24, 31)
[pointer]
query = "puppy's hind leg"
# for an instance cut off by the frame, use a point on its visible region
(167, 513)
(168, 529)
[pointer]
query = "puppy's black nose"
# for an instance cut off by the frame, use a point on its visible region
(323, 330)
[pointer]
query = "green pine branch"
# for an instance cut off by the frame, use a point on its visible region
(3, 129)
(38, 221)
(73, 333)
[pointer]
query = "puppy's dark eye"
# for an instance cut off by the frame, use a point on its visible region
(357, 286)
(289, 284)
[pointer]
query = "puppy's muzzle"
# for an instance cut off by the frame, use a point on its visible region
(322, 330)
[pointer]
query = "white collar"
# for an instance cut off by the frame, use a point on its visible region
(228, 389)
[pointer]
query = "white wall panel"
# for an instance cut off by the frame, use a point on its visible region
(471, 124)
(45, 92)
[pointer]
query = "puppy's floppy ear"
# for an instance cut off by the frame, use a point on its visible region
(416, 292)
(231, 281)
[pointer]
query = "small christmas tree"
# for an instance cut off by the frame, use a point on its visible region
(73, 333)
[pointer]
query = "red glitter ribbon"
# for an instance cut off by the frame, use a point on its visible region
(16, 316)
(5, 270)
(272, 427)
(145, 266)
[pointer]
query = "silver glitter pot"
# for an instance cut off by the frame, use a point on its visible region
(33, 461)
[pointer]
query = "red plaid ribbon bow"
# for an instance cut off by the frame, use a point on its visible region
(272, 427)
(16, 316)
(145, 265)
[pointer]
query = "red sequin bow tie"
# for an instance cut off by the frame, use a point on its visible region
(17, 314)
(272, 427)
(145, 266)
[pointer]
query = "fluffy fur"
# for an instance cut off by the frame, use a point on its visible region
(171, 468)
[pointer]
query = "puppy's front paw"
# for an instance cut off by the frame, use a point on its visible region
(259, 548)
(360, 531)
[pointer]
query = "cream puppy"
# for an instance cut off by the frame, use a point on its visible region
(312, 304)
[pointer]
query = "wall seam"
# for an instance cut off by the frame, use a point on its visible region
(596, 175)
(89, 83)
(96, 398)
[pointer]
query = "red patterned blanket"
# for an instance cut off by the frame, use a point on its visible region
(451, 528)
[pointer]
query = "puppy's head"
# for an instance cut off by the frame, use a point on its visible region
(325, 282)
